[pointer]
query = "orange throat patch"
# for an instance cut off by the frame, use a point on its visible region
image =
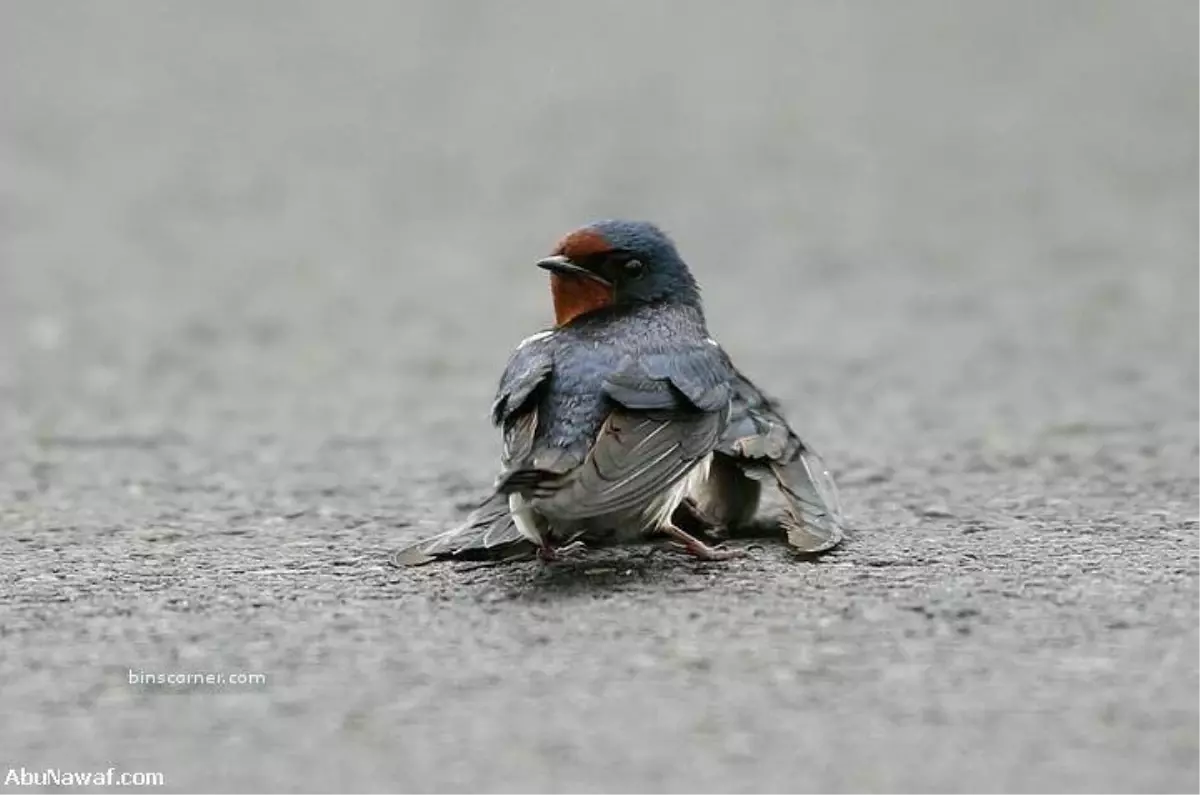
(577, 295)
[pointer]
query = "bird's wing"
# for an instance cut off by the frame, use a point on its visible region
(668, 410)
(488, 533)
(760, 440)
(528, 369)
(636, 455)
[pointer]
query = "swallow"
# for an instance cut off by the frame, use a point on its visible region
(627, 420)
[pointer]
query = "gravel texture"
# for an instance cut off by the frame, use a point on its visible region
(260, 268)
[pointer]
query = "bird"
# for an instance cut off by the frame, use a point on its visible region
(626, 420)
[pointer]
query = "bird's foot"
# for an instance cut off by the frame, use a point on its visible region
(693, 546)
(548, 553)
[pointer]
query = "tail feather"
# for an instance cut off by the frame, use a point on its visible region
(488, 534)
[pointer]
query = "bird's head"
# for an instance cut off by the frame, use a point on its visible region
(616, 263)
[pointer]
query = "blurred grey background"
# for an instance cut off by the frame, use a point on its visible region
(261, 265)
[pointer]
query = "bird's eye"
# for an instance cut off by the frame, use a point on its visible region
(634, 268)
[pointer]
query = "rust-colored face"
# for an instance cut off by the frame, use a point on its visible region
(577, 294)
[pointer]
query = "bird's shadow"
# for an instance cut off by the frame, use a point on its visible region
(603, 570)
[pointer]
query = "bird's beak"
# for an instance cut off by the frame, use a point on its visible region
(562, 265)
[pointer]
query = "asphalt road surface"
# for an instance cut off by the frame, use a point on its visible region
(260, 268)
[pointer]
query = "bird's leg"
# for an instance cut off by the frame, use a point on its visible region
(687, 517)
(697, 548)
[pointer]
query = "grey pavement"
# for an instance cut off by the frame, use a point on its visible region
(260, 268)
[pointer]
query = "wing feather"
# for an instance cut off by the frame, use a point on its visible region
(489, 532)
(760, 440)
(814, 522)
(634, 458)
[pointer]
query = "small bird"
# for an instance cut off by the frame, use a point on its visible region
(627, 420)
